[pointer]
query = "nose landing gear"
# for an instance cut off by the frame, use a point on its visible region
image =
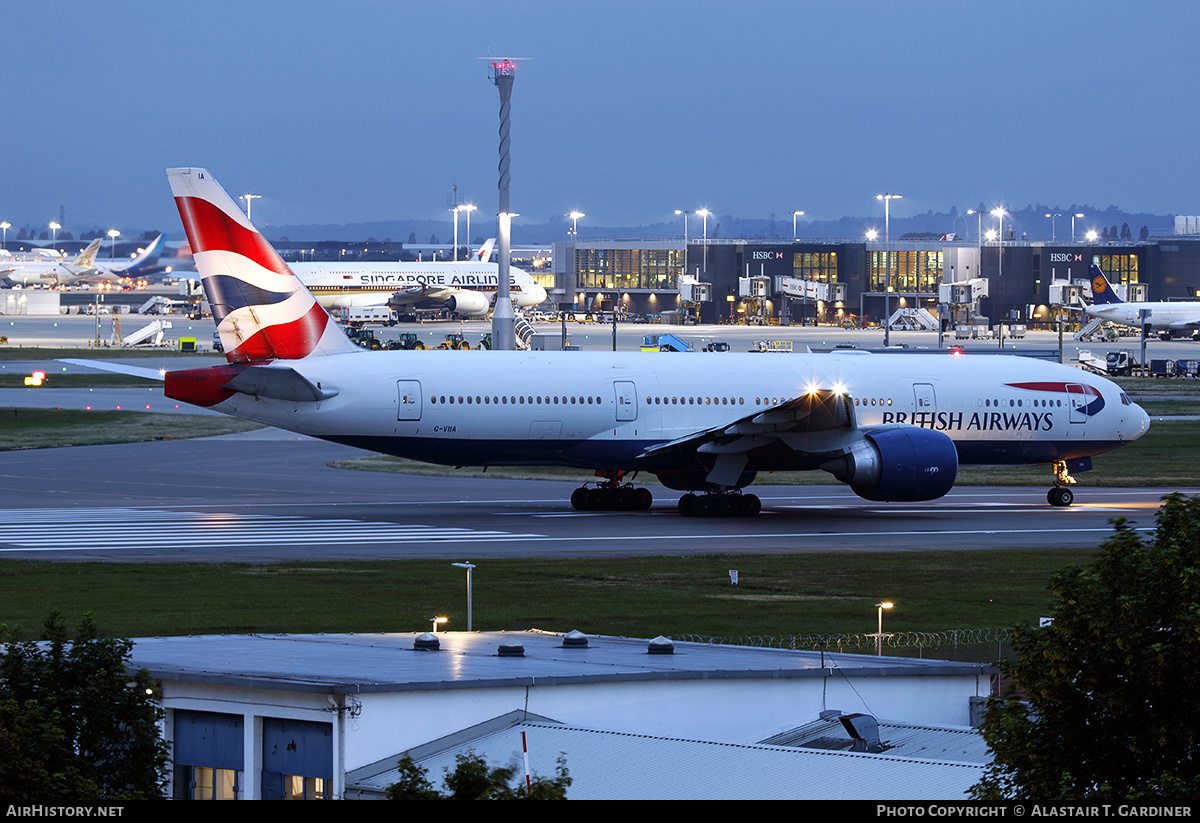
(1061, 495)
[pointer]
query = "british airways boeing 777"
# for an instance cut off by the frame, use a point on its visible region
(892, 427)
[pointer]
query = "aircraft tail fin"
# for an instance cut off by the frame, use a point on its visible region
(263, 311)
(1103, 293)
(87, 257)
(151, 253)
(485, 251)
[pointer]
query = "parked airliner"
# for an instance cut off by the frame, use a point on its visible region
(1165, 318)
(144, 263)
(894, 427)
(467, 288)
(52, 272)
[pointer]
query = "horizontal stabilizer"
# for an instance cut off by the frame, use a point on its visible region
(117, 368)
(278, 383)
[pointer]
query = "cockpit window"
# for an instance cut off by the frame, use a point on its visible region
(1125, 401)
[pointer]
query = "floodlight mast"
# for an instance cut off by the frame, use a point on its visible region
(504, 336)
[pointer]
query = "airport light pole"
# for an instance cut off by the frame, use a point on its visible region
(5, 226)
(705, 213)
(249, 198)
(455, 211)
(999, 213)
(1073, 216)
(795, 214)
(685, 214)
(879, 633)
(113, 234)
(1052, 215)
(468, 566)
(887, 264)
(575, 215)
(468, 208)
(54, 227)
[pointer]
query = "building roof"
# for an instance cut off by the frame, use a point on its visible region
(899, 740)
(609, 765)
(366, 663)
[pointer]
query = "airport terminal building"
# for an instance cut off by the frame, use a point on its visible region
(853, 282)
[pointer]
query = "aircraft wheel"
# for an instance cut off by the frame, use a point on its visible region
(579, 499)
(686, 504)
(596, 500)
(1060, 496)
(705, 506)
(751, 505)
(642, 500)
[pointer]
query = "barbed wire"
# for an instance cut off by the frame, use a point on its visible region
(951, 638)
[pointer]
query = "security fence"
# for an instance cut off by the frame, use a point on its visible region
(965, 645)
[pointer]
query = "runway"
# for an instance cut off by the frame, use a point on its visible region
(271, 497)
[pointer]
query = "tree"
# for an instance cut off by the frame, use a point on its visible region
(1144, 233)
(1108, 709)
(74, 724)
(473, 780)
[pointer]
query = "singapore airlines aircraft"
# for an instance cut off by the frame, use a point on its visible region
(52, 273)
(467, 288)
(892, 427)
(1163, 317)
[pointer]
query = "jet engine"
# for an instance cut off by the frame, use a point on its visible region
(470, 303)
(901, 464)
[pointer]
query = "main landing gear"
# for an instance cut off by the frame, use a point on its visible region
(611, 496)
(729, 504)
(1061, 495)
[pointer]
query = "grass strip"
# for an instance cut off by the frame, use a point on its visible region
(49, 428)
(638, 597)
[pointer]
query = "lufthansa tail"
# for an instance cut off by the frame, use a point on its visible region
(263, 311)
(1103, 293)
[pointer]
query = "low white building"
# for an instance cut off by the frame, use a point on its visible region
(268, 716)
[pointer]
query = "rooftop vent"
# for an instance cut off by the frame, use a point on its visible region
(427, 642)
(511, 648)
(660, 645)
(864, 730)
(575, 639)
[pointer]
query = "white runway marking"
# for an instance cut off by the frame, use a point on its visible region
(125, 528)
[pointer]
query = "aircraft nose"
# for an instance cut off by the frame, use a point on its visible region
(1135, 424)
(539, 294)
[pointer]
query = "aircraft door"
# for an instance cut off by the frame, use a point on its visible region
(626, 396)
(409, 405)
(1078, 399)
(924, 399)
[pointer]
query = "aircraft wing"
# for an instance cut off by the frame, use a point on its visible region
(414, 293)
(821, 421)
(896, 461)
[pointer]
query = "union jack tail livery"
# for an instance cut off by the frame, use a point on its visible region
(263, 312)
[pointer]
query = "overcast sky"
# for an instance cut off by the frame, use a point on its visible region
(353, 111)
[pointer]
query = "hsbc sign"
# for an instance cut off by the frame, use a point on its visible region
(1064, 257)
(766, 255)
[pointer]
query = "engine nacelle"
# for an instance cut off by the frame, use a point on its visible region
(902, 464)
(470, 303)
